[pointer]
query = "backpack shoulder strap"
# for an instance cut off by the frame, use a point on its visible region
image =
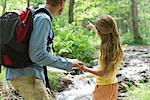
(44, 11)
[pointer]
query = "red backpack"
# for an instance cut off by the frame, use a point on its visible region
(15, 31)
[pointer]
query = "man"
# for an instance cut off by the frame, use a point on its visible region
(29, 81)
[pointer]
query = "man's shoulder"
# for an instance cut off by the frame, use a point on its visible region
(42, 16)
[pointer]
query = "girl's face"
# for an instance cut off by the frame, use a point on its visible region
(98, 33)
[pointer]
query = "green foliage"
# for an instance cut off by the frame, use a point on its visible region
(141, 92)
(2, 74)
(15, 5)
(35, 3)
(0, 98)
(53, 79)
(90, 9)
(127, 38)
(74, 41)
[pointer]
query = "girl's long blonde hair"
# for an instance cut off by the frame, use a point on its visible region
(111, 53)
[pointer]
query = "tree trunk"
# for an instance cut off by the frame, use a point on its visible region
(134, 13)
(4, 6)
(28, 3)
(71, 4)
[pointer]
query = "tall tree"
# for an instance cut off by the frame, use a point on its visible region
(28, 3)
(134, 13)
(4, 6)
(71, 4)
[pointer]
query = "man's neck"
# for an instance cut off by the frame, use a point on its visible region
(49, 11)
(53, 10)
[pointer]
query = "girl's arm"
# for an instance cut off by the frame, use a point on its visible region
(97, 72)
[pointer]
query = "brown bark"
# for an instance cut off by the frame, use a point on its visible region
(71, 4)
(28, 3)
(134, 13)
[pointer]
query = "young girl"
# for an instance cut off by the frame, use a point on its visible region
(111, 56)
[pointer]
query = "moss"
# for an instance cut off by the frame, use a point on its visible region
(141, 92)
(53, 79)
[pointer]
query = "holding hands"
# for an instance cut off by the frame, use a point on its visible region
(75, 62)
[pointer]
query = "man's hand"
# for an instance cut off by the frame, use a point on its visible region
(75, 62)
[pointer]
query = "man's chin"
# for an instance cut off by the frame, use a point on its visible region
(60, 12)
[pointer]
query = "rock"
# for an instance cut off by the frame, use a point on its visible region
(119, 75)
(122, 96)
(124, 85)
(76, 71)
(63, 84)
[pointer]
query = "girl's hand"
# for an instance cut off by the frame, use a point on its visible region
(82, 67)
(91, 26)
(97, 72)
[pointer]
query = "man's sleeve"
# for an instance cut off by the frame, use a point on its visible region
(38, 44)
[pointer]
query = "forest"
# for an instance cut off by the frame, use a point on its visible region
(74, 40)
(132, 18)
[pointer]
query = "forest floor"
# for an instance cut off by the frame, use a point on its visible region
(135, 69)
